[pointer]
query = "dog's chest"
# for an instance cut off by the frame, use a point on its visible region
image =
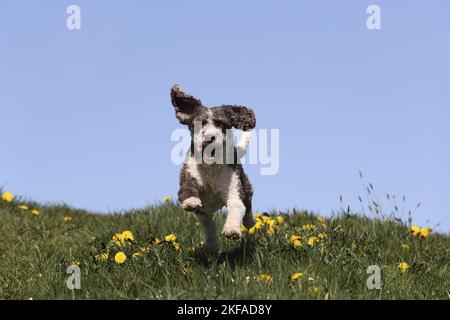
(214, 184)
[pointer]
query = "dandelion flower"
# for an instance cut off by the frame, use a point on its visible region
(323, 235)
(308, 227)
(75, 263)
(136, 254)
(121, 238)
(296, 241)
(176, 245)
(321, 220)
(166, 198)
(128, 235)
(403, 266)
(265, 278)
(157, 241)
(102, 257)
(145, 249)
(280, 219)
(425, 232)
(67, 218)
(296, 276)
(266, 219)
(312, 241)
(35, 212)
(259, 225)
(315, 289)
(7, 197)
(415, 230)
(170, 238)
(406, 247)
(23, 207)
(252, 230)
(120, 257)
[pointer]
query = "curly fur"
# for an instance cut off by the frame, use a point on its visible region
(206, 188)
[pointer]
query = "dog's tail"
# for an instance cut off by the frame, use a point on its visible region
(243, 143)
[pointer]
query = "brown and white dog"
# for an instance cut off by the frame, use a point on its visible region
(212, 175)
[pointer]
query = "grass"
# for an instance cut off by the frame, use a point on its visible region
(35, 251)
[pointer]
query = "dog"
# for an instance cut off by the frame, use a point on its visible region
(212, 176)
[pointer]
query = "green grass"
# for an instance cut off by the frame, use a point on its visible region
(35, 252)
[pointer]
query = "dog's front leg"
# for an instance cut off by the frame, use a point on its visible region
(188, 195)
(211, 243)
(236, 211)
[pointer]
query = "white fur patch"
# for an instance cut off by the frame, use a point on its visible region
(192, 202)
(243, 143)
(236, 208)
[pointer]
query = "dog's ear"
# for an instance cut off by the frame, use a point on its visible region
(184, 104)
(241, 118)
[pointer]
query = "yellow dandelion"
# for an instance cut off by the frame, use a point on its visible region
(415, 230)
(265, 278)
(23, 207)
(67, 218)
(323, 235)
(157, 241)
(252, 230)
(308, 227)
(122, 238)
(406, 247)
(296, 241)
(136, 255)
(315, 289)
(259, 225)
(102, 257)
(425, 232)
(120, 257)
(170, 238)
(166, 198)
(35, 212)
(280, 219)
(312, 241)
(266, 219)
(403, 266)
(128, 235)
(296, 276)
(7, 196)
(271, 223)
(75, 263)
(176, 245)
(145, 249)
(297, 244)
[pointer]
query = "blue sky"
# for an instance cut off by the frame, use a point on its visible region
(86, 119)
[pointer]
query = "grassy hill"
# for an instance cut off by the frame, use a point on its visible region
(329, 257)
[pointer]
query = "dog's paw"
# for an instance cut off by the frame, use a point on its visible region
(231, 234)
(191, 204)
